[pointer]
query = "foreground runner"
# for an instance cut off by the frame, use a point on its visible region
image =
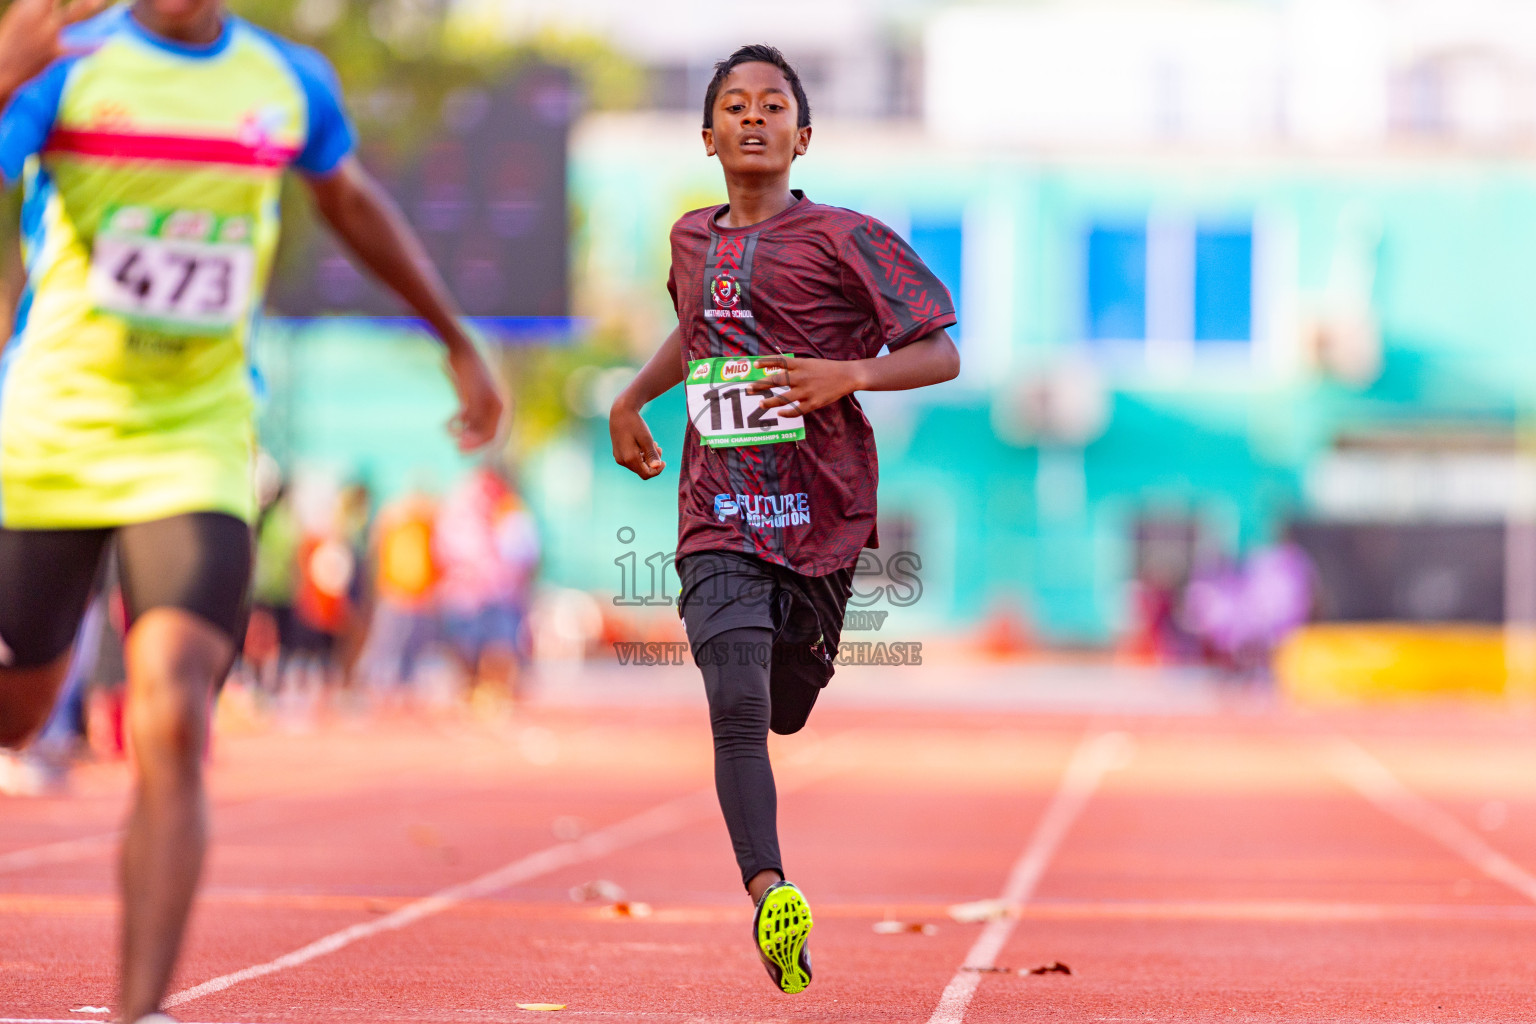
(778, 489)
(152, 140)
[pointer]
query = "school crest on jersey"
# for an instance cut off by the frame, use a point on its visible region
(726, 291)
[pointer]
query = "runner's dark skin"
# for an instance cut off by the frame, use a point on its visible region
(756, 137)
(174, 658)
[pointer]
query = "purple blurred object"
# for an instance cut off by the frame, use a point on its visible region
(1242, 613)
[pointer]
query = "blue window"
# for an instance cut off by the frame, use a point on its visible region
(941, 244)
(1223, 285)
(1117, 283)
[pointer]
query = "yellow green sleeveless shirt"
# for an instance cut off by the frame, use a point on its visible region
(151, 173)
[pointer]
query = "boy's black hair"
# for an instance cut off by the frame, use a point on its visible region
(757, 53)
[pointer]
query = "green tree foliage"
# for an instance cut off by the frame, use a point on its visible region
(400, 62)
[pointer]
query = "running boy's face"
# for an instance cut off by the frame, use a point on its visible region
(754, 118)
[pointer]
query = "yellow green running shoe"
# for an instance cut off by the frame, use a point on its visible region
(781, 926)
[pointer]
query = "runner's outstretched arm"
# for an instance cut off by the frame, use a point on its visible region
(633, 446)
(814, 383)
(364, 217)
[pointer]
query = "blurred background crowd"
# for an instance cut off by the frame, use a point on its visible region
(1249, 354)
(348, 593)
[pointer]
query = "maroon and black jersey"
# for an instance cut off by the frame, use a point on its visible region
(816, 281)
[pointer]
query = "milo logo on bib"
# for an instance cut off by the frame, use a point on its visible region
(726, 414)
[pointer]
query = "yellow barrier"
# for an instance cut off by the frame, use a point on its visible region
(1375, 662)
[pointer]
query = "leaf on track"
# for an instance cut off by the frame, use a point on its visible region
(981, 910)
(1054, 967)
(627, 909)
(541, 1006)
(904, 927)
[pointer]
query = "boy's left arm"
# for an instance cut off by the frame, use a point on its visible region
(364, 216)
(814, 383)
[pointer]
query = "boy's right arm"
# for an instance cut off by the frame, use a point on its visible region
(633, 446)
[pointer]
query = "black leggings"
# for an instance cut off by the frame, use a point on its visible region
(743, 705)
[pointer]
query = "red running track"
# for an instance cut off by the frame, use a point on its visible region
(1221, 867)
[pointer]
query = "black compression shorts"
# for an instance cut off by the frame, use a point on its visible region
(198, 563)
(724, 590)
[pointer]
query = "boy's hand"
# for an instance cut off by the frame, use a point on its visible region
(633, 446)
(481, 406)
(812, 383)
(30, 36)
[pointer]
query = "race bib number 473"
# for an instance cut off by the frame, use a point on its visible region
(182, 271)
(725, 414)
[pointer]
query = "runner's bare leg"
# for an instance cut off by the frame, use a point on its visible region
(26, 699)
(174, 661)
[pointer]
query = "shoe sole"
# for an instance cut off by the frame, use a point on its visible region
(782, 928)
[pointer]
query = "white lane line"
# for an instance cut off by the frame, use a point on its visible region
(648, 825)
(1094, 758)
(1374, 781)
(69, 850)
(57, 853)
(651, 824)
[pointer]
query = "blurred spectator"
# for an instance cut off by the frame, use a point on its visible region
(270, 633)
(105, 697)
(325, 591)
(354, 518)
(1154, 635)
(1212, 610)
(486, 548)
(1278, 595)
(406, 575)
(334, 591)
(1242, 613)
(1005, 632)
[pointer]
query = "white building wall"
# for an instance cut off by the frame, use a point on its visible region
(1110, 72)
(1315, 74)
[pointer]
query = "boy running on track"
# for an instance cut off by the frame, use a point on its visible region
(151, 140)
(783, 306)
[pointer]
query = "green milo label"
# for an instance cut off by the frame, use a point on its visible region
(725, 414)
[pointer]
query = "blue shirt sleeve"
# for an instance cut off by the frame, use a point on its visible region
(331, 138)
(29, 117)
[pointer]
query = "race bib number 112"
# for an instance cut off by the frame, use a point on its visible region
(725, 414)
(181, 271)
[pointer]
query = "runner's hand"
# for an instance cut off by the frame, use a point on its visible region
(812, 383)
(481, 406)
(31, 36)
(633, 446)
